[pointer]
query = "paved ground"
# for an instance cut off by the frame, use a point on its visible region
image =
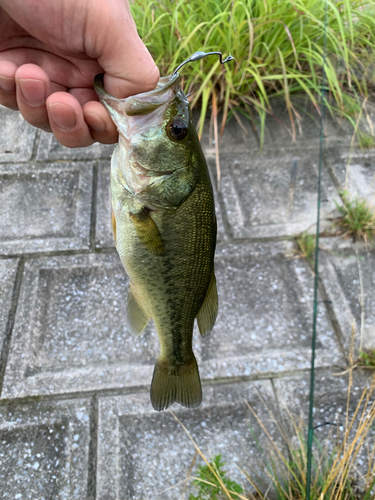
(75, 416)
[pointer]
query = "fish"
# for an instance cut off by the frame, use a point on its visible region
(164, 227)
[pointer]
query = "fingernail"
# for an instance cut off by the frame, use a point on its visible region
(7, 84)
(63, 116)
(33, 91)
(96, 123)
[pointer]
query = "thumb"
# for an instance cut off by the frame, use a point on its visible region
(128, 65)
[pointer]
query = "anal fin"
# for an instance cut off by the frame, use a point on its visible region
(207, 314)
(137, 318)
(147, 232)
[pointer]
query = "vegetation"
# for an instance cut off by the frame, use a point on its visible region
(306, 245)
(365, 140)
(209, 485)
(367, 358)
(357, 218)
(278, 45)
(334, 472)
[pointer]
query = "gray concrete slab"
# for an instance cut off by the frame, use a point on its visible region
(273, 194)
(354, 171)
(8, 269)
(50, 149)
(17, 137)
(144, 455)
(45, 207)
(330, 396)
(265, 314)
(349, 281)
(44, 451)
(70, 333)
(103, 230)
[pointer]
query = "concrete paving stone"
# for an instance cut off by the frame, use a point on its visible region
(146, 455)
(235, 138)
(246, 137)
(330, 405)
(50, 149)
(274, 195)
(44, 451)
(349, 280)
(17, 137)
(278, 132)
(103, 230)
(8, 269)
(104, 236)
(44, 208)
(265, 314)
(355, 171)
(70, 331)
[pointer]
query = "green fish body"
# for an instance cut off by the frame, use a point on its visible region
(164, 224)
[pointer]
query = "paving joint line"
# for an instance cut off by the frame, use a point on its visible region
(35, 146)
(94, 196)
(10, 323)
(116, 391)
(332, 316)
(93, 450)
(57, 253)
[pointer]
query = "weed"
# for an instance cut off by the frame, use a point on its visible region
(357, 219)
(365, 140)
(367, 358)
(306, 245)
(279, 45)
(334, 469)
(208, 484)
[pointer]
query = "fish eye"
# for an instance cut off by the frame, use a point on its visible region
(177, 129)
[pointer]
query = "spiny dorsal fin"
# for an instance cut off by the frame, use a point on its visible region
(206, 316)
(147, 232)
(137, 318)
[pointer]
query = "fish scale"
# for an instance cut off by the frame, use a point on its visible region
(165, 231)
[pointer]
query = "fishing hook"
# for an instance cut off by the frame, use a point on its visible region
(199, 55)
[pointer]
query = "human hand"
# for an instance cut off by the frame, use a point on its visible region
(50, 52)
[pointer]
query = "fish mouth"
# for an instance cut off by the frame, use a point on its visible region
(141, 171)
(139, 104)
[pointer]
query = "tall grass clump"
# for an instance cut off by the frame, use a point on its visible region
(278, 44)
(335, 471)
(357, 218)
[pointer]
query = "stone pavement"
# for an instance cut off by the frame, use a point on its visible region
(75, 416)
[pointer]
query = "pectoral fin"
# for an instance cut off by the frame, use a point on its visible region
(147, 232)
(206, 316)
(137, 318)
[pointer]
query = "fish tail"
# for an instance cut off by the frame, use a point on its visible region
(178, 383)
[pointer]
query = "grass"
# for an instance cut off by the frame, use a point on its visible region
(278, 45)
(306, 246)
(334, 474)
(208, 484)
(357, 219)
(367, 358)
(365, 140)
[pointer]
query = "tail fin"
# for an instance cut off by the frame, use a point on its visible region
(176, 383)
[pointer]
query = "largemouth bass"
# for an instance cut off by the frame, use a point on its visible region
(164, 225)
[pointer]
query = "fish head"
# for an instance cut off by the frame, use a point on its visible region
(156, 131)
